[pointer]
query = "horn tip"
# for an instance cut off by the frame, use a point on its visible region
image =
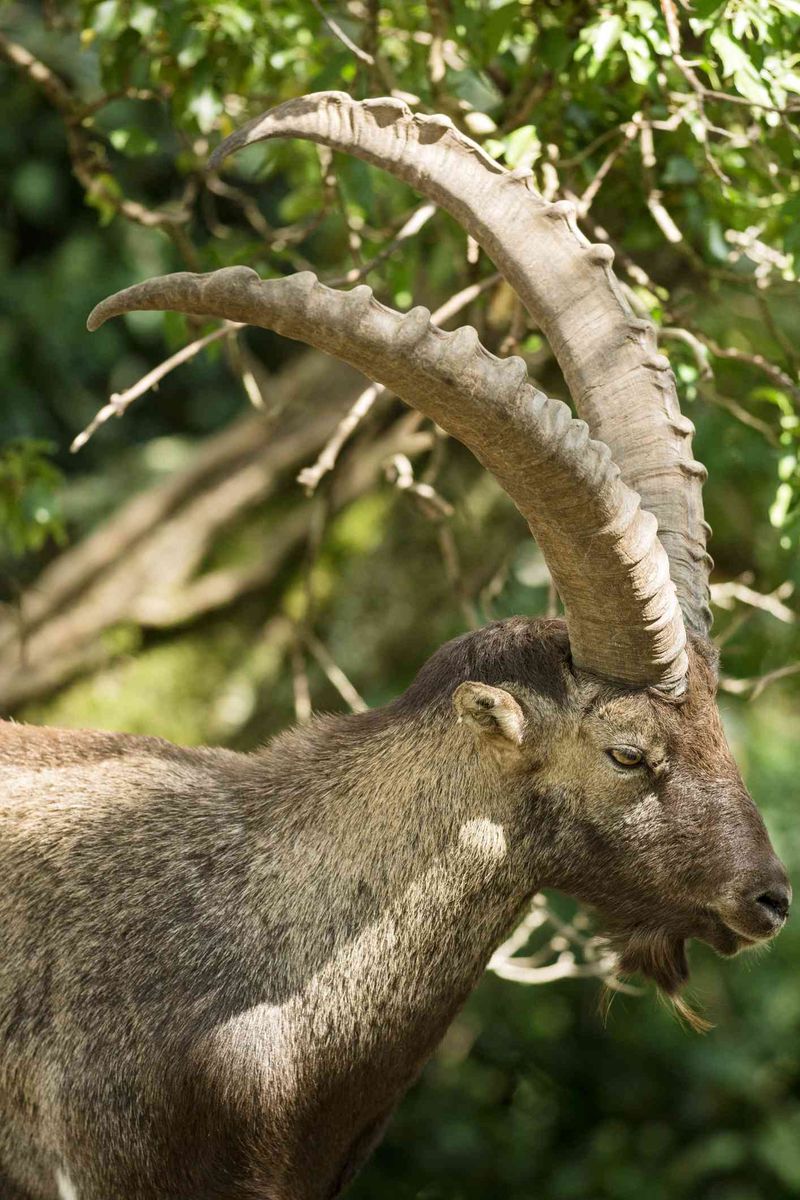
(216, 159)
(227, 146)
(273, 122)
(97, 316)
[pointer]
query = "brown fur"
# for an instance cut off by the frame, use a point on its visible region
(220, 972)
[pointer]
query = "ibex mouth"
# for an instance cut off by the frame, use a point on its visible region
(724, 939)
(660, 954)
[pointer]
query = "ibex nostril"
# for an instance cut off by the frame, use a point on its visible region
(776, 903)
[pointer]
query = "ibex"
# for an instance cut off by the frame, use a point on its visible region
(220, 972)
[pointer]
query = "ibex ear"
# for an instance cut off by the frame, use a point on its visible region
(489, 711)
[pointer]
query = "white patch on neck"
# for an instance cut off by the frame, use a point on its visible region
(485, 836)
(66, 1188)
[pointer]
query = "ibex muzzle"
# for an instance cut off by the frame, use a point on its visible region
(220, 972)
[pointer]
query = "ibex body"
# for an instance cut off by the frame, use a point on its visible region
(220, 972)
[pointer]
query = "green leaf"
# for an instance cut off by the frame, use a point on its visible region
(143, 19)
(107, 19)
(779, 509)
(205, 107)
(496, 25)
(736, 65)
(103, 195)
(192, 49)
(706, 8)
(30, 512)
(748, 84)
(135, 143)
(522, 147)
(731, 54)
(597, 42)
(640, 57)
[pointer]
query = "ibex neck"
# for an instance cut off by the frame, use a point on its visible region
(384, 815)
(398, 880)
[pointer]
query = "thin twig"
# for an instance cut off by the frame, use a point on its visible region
(774, 372)
(250, 210)
(494, 588)
(517, 329)
(755, 686)
(461, 299)
(400, 472)
(576, 159)
(596, 960)
(653, 198)
(310, 477)
(119, 402)
(741, 414)
(586, 200)
(300, 685)
(725, 594)
(54, 88)
(565, 967)
(334, 672)
(241, 364)
(695, 83)
(455, 575)
(732, 628)
(339, 33)
(88, 157)
(631, 268)
(698, 347)
(419, 217)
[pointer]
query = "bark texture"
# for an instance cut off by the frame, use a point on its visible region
(144, 564)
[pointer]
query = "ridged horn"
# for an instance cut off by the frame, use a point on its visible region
(621, 385)
(602, 549)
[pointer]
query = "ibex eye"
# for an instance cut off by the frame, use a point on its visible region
(626, 756)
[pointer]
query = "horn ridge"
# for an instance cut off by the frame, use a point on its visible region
(609, 357)
(602, 548)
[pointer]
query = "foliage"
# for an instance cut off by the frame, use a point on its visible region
(28, 503)
(675, 131)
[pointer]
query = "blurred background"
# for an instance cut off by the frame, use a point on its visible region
(174, 577)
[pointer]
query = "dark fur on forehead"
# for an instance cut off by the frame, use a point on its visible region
(534, 652)
(530, 652)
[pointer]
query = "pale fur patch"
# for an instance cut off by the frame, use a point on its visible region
(485, 836)
(66, 1188)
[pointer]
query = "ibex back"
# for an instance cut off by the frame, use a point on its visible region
(220, 972)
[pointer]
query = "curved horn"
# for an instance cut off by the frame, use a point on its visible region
(608, 565)
(621, 385)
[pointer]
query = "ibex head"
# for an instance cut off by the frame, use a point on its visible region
(673, 845)
(635, 794)
(618, 744)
